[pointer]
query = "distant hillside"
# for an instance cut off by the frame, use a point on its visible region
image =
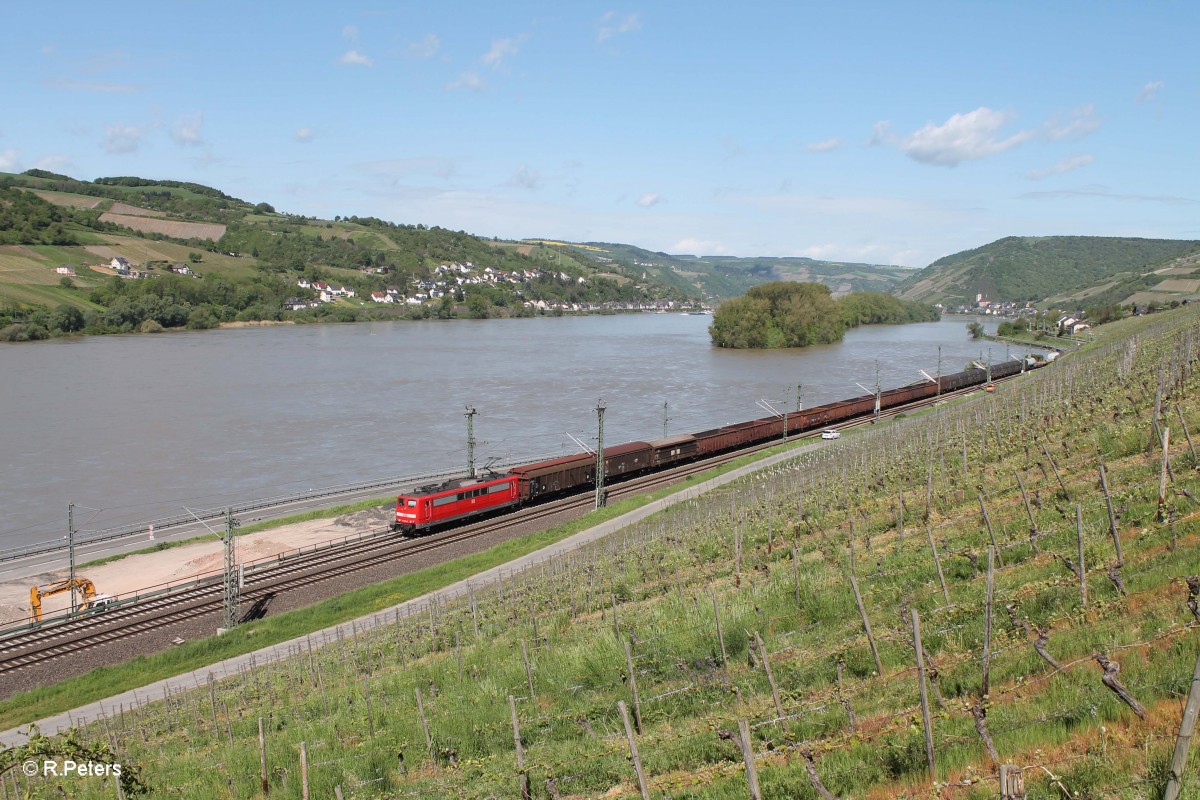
(1034, 269)
(58, 236)
(720, 277)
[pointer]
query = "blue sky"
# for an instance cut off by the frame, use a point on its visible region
(879, 132)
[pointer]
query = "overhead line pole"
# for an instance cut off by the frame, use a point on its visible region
(470, 415)
(71, 549)
(600, 499)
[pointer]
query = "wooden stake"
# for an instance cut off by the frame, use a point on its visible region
(633, 751)
(1057, 475)
(748, 757)
(637, 703)
(1162, 480)
(1187, 726)
(1186, 435)
(262, 757)
(987, 623)
(988, 521)
(528, 671)
(303, 771)
(720, 635)
(842, 696)
(926, 721)
(862, 612)
(762, 654)
(938, 563)
(370, 716)
(1112, 517)
(424, 725)
(1033, 528)
(522, 776)
(1082, 567)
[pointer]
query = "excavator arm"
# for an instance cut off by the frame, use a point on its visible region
(82, 585)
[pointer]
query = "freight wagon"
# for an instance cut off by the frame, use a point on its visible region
(456, 500)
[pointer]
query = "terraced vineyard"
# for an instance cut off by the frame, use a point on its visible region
(1040, 543)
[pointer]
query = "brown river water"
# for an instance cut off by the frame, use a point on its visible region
(134, 428)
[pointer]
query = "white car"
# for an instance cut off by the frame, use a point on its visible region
(830, 433)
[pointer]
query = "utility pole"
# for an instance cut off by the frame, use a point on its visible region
(470, 415)
(231, 578)
(71, 551)
(939, 372)
(665, 418)
(600, 499)
(877, 389)
(799, 405)
(989, 366)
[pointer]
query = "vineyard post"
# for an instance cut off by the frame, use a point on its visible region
(262, 757)
(720, 635)
(938, 563)
(1112, 517)
(925, 718)
(528, 671)
(633, 751)
(637, 703)
(748, 757)
(370, 714)
(1082, 567)
(1187, 726)
(523, 777)
(304, 771)
(862, 612)
(1033, 528)
(762, 654)
(988, 522)
(424, 726)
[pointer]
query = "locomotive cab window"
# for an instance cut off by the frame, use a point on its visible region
(411, 503)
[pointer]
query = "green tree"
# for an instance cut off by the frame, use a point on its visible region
(975, 329)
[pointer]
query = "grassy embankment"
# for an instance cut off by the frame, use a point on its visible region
(771, 558)
(104, 682)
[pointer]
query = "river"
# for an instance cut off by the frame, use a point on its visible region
(134, 428)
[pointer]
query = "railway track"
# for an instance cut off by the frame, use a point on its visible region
(23, 649)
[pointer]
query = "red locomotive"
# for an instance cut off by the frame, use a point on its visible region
(463, 498)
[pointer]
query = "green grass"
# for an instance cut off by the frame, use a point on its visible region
(105, 681)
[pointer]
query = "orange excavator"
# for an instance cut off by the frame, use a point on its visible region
(87, 589)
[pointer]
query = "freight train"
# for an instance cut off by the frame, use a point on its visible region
(459, 499)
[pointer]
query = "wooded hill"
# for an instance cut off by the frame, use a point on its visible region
(721, 277)
(49, 220)
(1079, 270)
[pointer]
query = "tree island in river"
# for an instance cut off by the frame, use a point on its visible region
(790, 314)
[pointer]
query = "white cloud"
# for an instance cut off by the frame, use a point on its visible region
(187, 130)
(881, 133)
(10, 160)
(355, 57)
(963, 137)
(1150, 91)
(1076, 124)
(700, 247)
(649, 200)
(612, 24)
(304, 135)
(1066, 165)
(526, 177)
(501, 49)
(120, 139)
(54, 163)
(350, 33)
(825, 146)
(468, 80)
(426, 48)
